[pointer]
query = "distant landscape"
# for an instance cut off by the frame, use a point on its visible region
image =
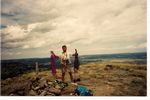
(14, 67)
(106, 75)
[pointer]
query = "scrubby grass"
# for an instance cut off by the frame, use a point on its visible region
(121, 79)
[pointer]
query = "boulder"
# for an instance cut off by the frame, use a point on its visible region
(55, 91)
(43, 93)
(32, 93)
(42, 83)
(12, 94)
(36, 88)
(50, 94)
(57, 86)
(50, 83)
(27, 88)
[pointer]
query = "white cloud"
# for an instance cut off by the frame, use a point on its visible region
(14, 32)
(97, 24)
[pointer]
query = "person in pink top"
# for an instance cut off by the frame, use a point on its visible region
(53, 58)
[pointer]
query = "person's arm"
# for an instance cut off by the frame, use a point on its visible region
(69, 57)
(57, 56)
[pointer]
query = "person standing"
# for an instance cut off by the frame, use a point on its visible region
(66, 63)
(53, 58)
(76, 66)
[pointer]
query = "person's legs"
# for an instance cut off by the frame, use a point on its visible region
(63, 72)
(75, 75)
(63, 76)
(53, 70)
(71, 77)
(70, 72)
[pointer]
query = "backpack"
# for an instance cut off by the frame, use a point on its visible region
(83, 91)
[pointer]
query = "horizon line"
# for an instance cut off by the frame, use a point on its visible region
(80, 55)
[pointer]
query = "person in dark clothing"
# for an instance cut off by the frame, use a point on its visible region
(76, 60)
(76, 66)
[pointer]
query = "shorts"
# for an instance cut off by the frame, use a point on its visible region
(65, 68)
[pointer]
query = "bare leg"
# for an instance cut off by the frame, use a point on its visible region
(63, 76)
(75, 75)
(63, 72)
(71, 77)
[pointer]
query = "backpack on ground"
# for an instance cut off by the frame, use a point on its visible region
(83, 91)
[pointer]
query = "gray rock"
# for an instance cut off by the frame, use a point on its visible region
(28, 87)
(39, 91)
(43, 93)
(54, 90)
(47, 89)
(46, 85)
(50, 83)
(42, 84)
(36, 88)
(32, 93)
(57, 86)
(50, 94)
(11, 94)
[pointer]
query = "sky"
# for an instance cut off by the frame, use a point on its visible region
(32, 28)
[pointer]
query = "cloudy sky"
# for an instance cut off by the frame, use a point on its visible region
(31, 28)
